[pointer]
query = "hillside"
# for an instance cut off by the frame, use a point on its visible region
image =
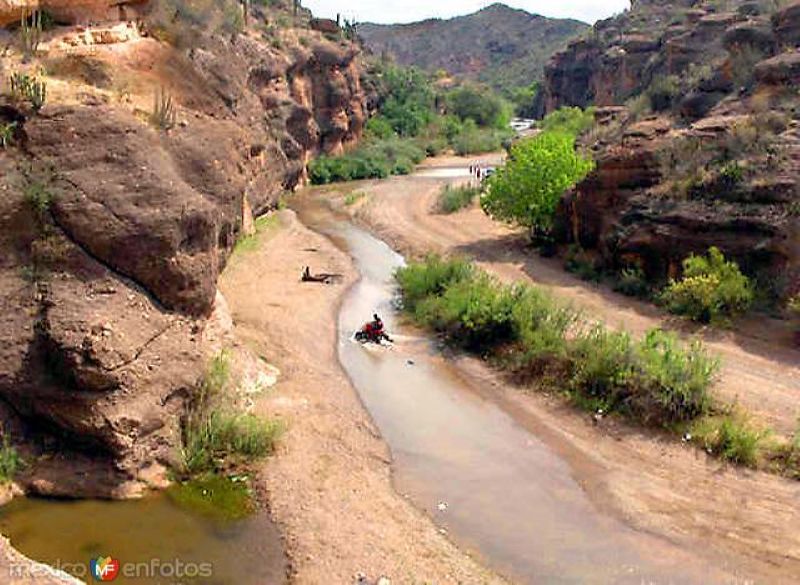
(498, 45)
(698, 140)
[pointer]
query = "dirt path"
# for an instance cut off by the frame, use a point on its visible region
(751, 519)
(329, 486)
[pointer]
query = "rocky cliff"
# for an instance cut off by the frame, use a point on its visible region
(698, 141)
(115, 222)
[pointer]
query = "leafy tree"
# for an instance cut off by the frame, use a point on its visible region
(539, 170)
(479, 104)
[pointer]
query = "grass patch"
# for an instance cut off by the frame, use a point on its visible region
(264, 224)
(732, 438)
(354, 197)
(214, 496)
(216, 439)
(454, 198)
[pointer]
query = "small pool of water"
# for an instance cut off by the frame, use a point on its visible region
(155, 541)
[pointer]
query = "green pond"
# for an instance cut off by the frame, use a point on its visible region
(155, 540)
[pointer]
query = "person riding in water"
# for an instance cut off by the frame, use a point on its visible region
(374, 330)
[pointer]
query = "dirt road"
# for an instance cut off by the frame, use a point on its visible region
(329, 486)
(657, 484)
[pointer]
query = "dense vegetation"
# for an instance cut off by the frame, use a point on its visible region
(656, 380)
(527, 189)
(417, 120)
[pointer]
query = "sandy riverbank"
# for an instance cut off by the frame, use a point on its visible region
(329, 486)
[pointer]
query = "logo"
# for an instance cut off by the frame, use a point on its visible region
(104, 568)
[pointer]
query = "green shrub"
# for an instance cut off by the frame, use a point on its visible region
(7, 134)
(731, 438)
(540, 323)
(474, 140)
(29, 88)
(163, 115)
(37, 195)
(632, 282)
(579, 263)
(10, 461)
(527, 189)
(454, 198)
(354, 197)
(672, 380)
(712, 288)
(479, 104)
(374, 159)
(568, 120)
(432, 277)
(603, 366)
(214, 439)
(379, 127)
(656, 380)
(30, 33)
(663, 93)
(474, 312)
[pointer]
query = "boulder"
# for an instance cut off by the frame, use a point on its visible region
(783, 69)
(786, 24)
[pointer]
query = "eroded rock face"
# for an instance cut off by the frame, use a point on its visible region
(107, 295)
(636, 210)
(71, 11)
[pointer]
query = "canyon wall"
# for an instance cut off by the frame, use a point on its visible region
(115, 230)
(697, 143)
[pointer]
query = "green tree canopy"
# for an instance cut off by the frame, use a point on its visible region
(481, 105)
(526, 190)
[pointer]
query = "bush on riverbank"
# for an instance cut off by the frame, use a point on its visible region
(655, 380)
(454, 198)
(377, 158)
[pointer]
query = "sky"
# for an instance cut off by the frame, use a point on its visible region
(396, 11)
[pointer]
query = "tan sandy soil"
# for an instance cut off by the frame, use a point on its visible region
(749, 518)
(329, 486)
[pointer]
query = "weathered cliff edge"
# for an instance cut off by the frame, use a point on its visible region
(107, 288)
(735, 73)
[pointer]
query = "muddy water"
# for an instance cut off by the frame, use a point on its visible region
(155, 541)
(491, 484)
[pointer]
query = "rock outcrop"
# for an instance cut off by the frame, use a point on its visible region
(705, 153)
(114, 230)
(72, 11)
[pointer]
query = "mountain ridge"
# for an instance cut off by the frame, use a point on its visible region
(499, 45)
